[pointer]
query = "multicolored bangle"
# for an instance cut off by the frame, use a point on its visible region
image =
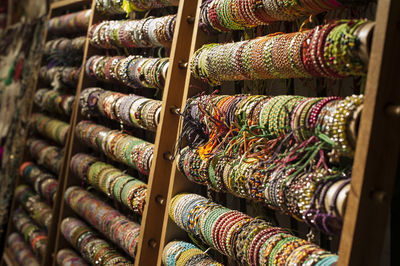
(251, 244)
(326, 51)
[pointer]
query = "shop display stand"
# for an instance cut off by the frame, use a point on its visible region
(151, 226)
(376, 156)
(56, 9)
(375, 159)
(164, 142)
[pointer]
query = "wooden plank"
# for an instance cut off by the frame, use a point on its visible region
(57, 210)
(152, 223)
(377, 149)
(59, 241)
(178, 183)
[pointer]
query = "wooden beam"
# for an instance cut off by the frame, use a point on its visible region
(59, 241)
(52, 248)
(157, 188)
(179, 183)
(377, 149)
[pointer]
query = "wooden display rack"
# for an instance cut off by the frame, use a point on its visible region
(376, 156)
(374, 164)
(56, 9)
(164, 142)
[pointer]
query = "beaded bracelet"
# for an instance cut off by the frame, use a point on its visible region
(67, 257)
(132, 71)
(105, 178)
(62, 76)
(121, 7)
(37, 209)
(53, 129)
(118, 146)
(222, 15)
(21, 251)
(272, 118)
(50, 157)
(267, 160)
(129, 33)
(256, 242)
(183, 253)
(120, 230)
(44, 183)
(53, 101)
(33, 235)
(71, 23)
(130, 109)
(64, 45)
(93, 248)
(330, 51)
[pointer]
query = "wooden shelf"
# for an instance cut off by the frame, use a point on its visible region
(55, 10)
(375, 159)
(151, 228)
(377, 150)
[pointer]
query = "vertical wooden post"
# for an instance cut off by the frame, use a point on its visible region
(179, 183)
(377, 149)
(52, 233)
(157, 189)
(83, 82)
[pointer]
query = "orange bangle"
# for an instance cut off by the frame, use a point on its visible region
(36, 239)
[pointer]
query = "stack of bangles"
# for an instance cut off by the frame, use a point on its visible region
(132, 110)
(227, 120)
(223, 15)
(39, 211)
(68, 257)
(148, 32)
(118, 228)
(180, 253)
(90, 245)
(77, 22)
(21, 251)
(64, 75)
(65, 45)
(317, 196)
(273, 150)
(44, 183)
(248, 240)
(122, 7)
(33, 234)
(116, 145)
(122, 187)
(331, 51)
(50, 128)
(133, 71)
(54, 101)
(50, 157)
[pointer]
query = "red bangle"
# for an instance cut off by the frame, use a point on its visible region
(36, 239)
